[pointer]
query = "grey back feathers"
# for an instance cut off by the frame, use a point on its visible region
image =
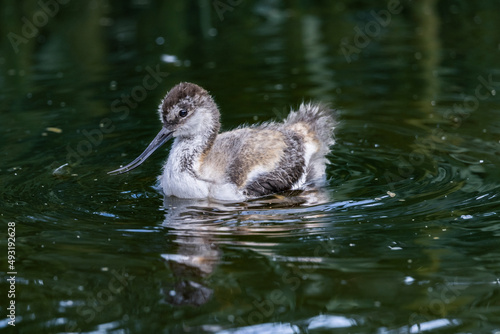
(279, 151)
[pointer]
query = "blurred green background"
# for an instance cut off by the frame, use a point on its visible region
(403, 240)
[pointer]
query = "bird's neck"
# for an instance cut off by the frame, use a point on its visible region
(187, 151)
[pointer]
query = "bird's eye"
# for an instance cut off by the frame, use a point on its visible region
(183, 113)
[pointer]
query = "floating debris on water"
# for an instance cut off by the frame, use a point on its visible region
(62, 171)
(53, 129)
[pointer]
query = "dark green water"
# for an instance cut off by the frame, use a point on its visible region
(405, 239)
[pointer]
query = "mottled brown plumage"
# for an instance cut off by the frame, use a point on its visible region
(244, 163)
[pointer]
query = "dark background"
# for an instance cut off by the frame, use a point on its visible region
(404, 239)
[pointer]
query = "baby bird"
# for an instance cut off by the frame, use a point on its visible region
(241, 164)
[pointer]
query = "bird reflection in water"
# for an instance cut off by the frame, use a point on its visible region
(200, 227)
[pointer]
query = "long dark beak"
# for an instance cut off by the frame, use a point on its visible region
(161, 138)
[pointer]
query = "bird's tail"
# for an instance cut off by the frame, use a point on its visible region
(320, 119)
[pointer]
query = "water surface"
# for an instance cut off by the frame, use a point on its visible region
(404, 239)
